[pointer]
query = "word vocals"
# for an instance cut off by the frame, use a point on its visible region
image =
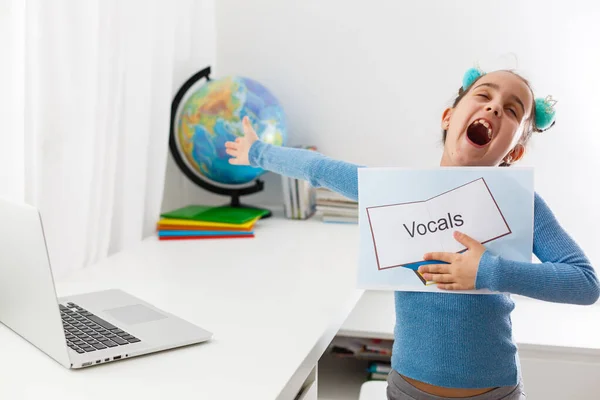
(433, 226)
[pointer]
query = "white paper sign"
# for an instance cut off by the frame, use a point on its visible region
(403, 233)
(405, 213)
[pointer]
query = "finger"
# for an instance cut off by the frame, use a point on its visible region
(448, 286)
(465, 239)
(231, 145)
(435, 268)
(441, 256)
(237, 140)
(234, 161)
(232, 153)
(247, 126)
(249, 130)
(439, 278)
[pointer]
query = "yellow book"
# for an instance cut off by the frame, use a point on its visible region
(425, 282)
(187, 222)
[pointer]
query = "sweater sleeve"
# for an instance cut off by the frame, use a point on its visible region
(317, 169)
(565, 274)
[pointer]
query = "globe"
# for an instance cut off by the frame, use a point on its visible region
(204, 117)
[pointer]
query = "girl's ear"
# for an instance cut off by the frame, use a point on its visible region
(446, 118)
(515, 154)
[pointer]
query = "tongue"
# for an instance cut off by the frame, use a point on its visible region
(478, 134)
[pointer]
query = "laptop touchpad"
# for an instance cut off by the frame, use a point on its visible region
(135, 314)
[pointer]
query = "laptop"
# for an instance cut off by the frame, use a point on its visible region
(77, 331)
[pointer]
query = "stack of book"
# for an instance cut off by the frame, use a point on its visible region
(363, 348)
(333, 207)
(299, 197)
(208, 222)
(379, 370)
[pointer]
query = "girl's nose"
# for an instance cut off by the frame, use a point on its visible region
(495, 109)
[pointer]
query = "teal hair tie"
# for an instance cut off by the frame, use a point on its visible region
(544, 112)
(471, 76)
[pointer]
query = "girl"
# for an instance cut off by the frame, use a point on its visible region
(469, 349)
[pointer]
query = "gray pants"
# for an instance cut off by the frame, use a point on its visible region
(399, 389)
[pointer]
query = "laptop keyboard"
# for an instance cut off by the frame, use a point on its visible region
(86, 332)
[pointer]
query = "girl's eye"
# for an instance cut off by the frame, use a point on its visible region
(513, 111)
(484, 95)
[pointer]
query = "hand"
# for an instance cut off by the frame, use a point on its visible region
(241, 147)
(461, 271)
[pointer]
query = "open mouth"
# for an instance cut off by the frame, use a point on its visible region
(480, 132)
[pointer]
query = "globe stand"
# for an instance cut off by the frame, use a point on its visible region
(235, 200)
(234, 193)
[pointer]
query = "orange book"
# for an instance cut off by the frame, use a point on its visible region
(196, 224)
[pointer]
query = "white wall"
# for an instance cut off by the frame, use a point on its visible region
(12, 163)
(367, 81)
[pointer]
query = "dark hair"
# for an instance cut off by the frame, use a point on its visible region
(529, 125)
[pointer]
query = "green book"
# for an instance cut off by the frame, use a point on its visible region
(224, 214)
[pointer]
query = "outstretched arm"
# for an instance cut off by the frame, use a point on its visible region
(564, 275)
(317, 169)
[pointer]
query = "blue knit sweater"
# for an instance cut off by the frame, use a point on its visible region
(459, 340)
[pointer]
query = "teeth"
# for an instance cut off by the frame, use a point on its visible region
(486, 124)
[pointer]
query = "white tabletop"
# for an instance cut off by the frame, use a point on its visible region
(274, 303)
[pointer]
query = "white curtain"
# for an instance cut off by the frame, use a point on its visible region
(99, 76)
(12, 170)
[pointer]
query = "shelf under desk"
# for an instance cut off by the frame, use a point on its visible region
(537, 325)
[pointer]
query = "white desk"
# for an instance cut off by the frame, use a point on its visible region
(273, 304)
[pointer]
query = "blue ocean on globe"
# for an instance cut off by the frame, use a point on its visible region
(212, 115)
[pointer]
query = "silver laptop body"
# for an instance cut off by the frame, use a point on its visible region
(121, 325)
